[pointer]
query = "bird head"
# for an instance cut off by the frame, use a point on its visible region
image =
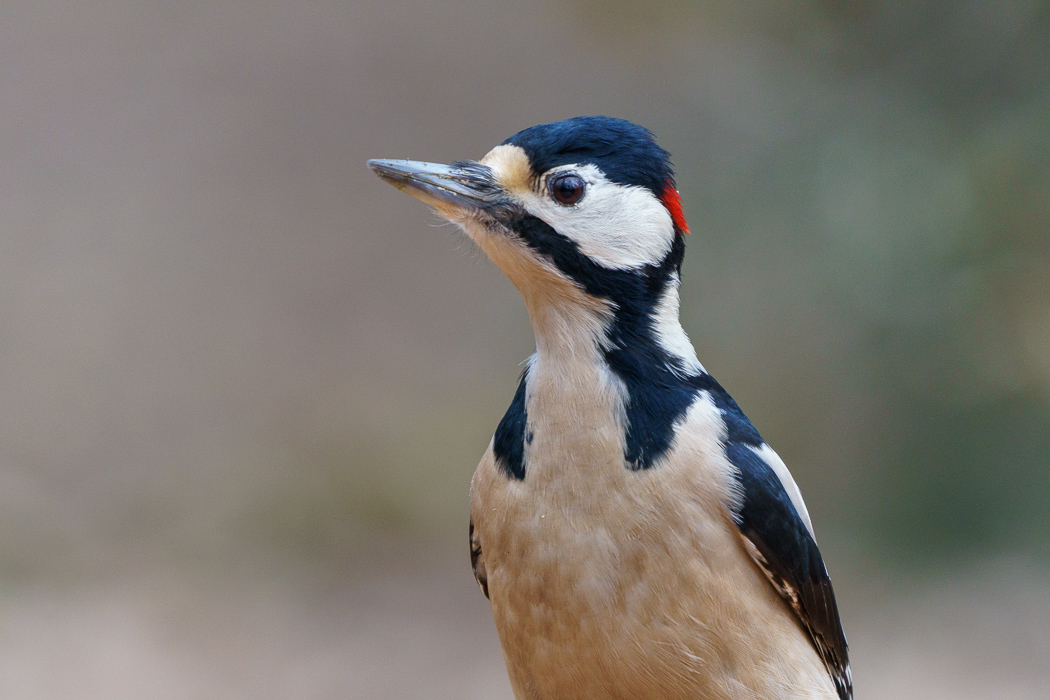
(582, 211)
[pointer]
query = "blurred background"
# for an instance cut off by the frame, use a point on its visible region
(245, 383)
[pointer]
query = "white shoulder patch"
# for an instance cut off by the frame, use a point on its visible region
(767, 455)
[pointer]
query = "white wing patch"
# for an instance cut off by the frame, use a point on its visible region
(767, 455)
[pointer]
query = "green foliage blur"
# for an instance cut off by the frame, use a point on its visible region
(896, 194)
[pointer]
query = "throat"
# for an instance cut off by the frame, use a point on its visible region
(601, 376)
(569, 383)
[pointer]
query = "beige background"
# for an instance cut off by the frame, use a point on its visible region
(243, 383)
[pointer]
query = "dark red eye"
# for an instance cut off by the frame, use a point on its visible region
(566, 189)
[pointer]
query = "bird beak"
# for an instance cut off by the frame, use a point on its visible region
(461, 187)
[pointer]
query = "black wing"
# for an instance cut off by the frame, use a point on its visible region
(477, 560)
(783, 548)
(779, 541)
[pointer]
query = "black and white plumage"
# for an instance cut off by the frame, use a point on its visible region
(636, 536)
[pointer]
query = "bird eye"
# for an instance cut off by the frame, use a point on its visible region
(566, 189)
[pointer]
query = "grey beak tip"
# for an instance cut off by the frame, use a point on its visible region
(388, 170)
(437, 184)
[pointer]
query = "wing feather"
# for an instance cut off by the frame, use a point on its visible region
(477, 560)
(781, 544)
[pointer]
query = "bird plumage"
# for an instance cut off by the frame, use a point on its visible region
(636, 536)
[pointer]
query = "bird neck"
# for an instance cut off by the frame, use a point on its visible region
(623, 368)
(613, 334)
(569, 334)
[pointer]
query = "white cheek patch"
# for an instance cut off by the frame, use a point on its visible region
(620, 227)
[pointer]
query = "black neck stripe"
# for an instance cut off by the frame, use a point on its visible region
(659, 387)
(508, 444)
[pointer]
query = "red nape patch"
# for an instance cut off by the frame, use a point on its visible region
(673, 201)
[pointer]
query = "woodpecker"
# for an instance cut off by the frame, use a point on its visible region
(635, 535)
